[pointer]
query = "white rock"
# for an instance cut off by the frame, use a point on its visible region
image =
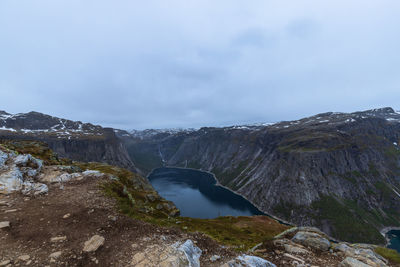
(4, 263)
(11, 180)
(93, 243)
(3, 158)
(351, 262)
(9, 211)
(5, 224)
(192, 253)
(163, 254)
(92, 173)
(249, 261)
(24, 257)
(295, 249)
(55, 255)
(24, 160)
(34, 188)
(293, 258)
(215, 258)
(58, 239)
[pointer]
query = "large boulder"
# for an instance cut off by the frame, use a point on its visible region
(248, 261)
(11, 180)
(3, 159)
(312, 240)
(176, 255)
(351, 262)
(18, 173)
(192, 253)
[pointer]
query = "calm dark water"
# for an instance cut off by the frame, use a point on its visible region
(197, 196)
(394, 236)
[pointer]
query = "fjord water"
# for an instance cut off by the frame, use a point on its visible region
(394, 236)
(196, 194)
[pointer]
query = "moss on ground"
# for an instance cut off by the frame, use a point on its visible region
(35, 148)
(390, 254)
(240, 232)
(347, 220)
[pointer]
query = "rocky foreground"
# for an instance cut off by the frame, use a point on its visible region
(60, 215)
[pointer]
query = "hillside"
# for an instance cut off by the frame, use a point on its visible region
(70, 139)
(63, 213)
(337, 171)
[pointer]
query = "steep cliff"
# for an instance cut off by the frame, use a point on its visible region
(336, 171)
(71, 139)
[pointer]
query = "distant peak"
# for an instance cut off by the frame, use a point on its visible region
(386, 110)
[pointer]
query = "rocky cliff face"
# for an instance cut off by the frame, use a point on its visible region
(337, 171)
(72, 139)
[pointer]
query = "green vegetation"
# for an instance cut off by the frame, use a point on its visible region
(136, 198)
(373, 170)
(132, 194)
(144, 160)
(348, 220)
(312, 141)
(284, 210)
(392, 255)
(392, 152)
(35, 148)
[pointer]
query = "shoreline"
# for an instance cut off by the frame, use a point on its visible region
(220, 185)
(384, 231)
(387, 229)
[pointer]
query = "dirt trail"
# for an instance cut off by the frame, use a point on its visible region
(79, 211)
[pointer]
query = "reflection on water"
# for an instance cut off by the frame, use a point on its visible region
(197, 196)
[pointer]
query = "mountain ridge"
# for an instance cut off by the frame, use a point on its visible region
(309, 171)
(70, 139)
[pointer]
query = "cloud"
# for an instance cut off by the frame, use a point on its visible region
(132, 64)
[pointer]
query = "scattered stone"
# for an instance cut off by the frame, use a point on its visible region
(313, 240)
(93, 243)
(215, 258)
(293, 258)
(55, 255)
(66, 216)
(112, 218)
(295, 249)
(341, 247)
(24, 257)
(9, 211)
(5, 224)
(92, 173)
(58, 239)
(4, 263)
(248, 261)
(351, 262)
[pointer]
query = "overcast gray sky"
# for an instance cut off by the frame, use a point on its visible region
(155, 64)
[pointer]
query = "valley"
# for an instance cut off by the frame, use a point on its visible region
(338, 172)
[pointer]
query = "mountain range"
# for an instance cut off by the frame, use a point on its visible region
(337, 171)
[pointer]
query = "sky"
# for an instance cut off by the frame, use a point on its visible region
(163, 64)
